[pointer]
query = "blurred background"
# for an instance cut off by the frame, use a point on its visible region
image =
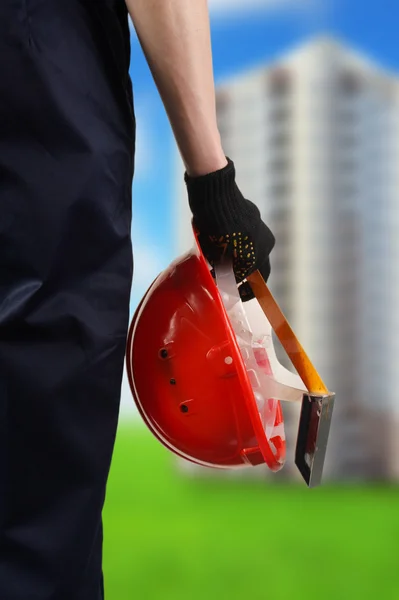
(308, 108)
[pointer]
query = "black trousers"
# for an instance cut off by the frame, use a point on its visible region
(66, 165)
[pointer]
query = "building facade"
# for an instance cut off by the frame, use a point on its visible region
(315, 141)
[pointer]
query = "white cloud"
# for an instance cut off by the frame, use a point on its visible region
(234, 6)
(148, 263)
(226, 7)
(230, 5)
(145, 144)
(128, 408)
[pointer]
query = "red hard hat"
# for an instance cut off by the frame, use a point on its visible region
(201, 384)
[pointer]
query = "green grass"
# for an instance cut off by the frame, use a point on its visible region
(173, 538)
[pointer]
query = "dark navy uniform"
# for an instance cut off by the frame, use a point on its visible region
(66, 167)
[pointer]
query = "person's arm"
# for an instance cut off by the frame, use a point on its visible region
(175, 37)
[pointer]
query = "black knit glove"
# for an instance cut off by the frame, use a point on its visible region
(229, 225)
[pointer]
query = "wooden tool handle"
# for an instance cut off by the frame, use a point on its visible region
(287, 337)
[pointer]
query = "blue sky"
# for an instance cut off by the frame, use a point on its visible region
(240, 39)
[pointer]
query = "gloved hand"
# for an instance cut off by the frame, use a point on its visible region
(229, 225)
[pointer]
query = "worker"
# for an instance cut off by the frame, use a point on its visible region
(67, 142)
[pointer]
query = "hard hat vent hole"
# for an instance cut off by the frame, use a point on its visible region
(173, 381)
(184, 408)
(228, 360)
(163, 353)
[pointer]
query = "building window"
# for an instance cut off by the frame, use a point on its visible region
(280, 190)
(279, 164)
(222, 106)
(347, 191)
(350, 83)
(279, 114)
(347, 140)
(345, 117)
(347, 165)
(281, 218)
(222, 101)
(279, 139)
(279, 82)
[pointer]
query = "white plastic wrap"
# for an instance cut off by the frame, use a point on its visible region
(269, 379)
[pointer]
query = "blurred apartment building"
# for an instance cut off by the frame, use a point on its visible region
(315, 140)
